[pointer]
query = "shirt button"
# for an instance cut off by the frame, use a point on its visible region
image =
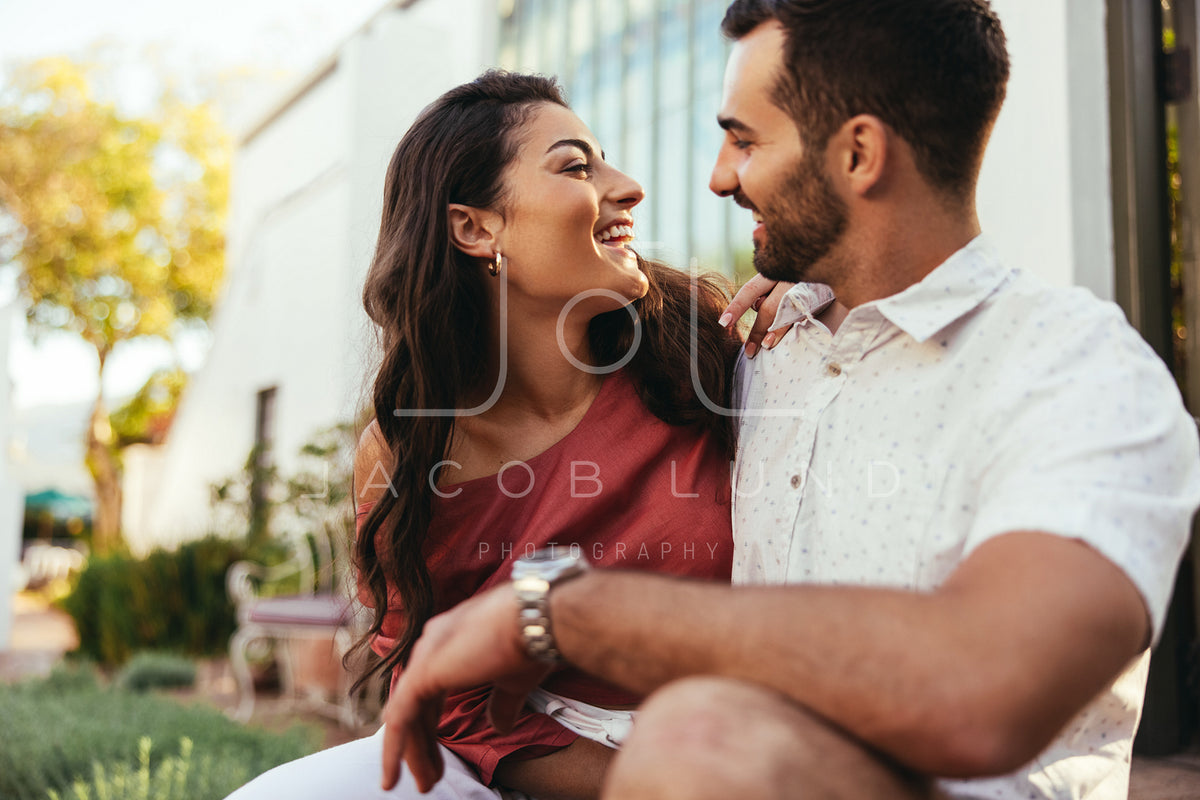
(834, 370)
(796, 481)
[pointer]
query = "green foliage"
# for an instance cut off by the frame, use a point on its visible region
(181, 777)
(123, 782)
(72, 675)
(116, 225)
(245, 500)
(120, 220)
(317, 493)
(147, 415)
(56, 734)
(156, 670)
(170, 600)
(321, 490)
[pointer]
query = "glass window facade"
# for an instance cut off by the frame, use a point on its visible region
(645, 75)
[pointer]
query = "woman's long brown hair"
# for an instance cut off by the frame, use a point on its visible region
(431, 307)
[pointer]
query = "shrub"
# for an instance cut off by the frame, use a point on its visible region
(56, 731)
(170, 600)
(154, 670)
(72, 675)
(181, 777)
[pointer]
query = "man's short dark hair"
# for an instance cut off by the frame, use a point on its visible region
(933, 70)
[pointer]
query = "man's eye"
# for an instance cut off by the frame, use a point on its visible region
(741, 144)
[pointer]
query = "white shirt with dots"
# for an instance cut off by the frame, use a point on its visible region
(975, 403)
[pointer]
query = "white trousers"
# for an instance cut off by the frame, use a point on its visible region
(354, 770)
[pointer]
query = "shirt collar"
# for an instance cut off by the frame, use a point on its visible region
(801, 303)
(954, 288)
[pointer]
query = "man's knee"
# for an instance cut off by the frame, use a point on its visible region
(695, 713)
(714, 737)
(695, 738)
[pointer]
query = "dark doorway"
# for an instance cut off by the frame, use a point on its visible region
(1156, 197)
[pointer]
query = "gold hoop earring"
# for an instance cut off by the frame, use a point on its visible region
(496, 264)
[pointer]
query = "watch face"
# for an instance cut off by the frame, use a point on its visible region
(549, 563)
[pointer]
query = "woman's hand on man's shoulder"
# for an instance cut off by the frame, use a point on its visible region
(763, 295)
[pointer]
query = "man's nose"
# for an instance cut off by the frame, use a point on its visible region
(723, 181)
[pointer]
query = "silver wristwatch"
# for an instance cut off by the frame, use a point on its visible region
(532, 578)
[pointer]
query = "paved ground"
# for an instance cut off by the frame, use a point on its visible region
(41, 635)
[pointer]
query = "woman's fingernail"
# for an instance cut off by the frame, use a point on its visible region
(725, 319)
(769, 340)
(751, 349)
(757, 303)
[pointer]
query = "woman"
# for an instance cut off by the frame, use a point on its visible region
(505, 293)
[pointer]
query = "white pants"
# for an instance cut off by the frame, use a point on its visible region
(354, 770)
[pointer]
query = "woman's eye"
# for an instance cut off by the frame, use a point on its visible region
(584, 168)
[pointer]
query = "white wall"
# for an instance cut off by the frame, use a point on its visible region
(1045, 189)
(141, 479)
(306, 199)
(446, 42)
(286, 247)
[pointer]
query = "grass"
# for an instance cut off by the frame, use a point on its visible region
(70, 734)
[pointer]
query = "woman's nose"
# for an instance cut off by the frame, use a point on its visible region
(626, 191)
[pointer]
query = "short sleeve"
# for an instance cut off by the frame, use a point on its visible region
(1095, 446)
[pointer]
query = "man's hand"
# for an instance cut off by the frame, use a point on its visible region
(476, 643)
(763, 295)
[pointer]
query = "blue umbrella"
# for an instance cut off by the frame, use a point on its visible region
(59, 505)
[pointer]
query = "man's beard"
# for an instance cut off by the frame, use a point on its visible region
(802, 224)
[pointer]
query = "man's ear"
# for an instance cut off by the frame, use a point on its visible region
(863, 149)
(474, 230)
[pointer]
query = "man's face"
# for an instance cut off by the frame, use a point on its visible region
(765, 167)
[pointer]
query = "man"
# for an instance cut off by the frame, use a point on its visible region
(965, 494)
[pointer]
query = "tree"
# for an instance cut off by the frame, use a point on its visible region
(115, 222)
(147, 416)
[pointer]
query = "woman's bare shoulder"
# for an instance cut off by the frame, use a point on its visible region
(373, 464)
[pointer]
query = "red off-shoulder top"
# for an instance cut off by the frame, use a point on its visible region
(626, 489)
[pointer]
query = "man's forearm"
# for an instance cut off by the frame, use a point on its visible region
(865, 672)
(959, 682)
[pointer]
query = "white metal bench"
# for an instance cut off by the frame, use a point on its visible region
(322, 609)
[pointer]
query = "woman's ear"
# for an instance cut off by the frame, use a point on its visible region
(474, 230)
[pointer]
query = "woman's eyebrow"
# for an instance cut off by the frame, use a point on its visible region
(580, 143)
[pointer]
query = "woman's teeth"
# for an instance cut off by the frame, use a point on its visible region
(615, 232)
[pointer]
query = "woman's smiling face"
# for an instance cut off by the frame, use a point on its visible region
(567, 218)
